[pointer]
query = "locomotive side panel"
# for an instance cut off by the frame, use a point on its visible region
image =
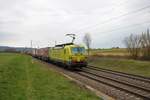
(56, 54)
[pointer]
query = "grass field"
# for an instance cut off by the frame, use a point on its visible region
(124, 65)
(120, 52)
(22, 78)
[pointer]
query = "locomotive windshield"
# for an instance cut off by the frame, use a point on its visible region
(76, 50)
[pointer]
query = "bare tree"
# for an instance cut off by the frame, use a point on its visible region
(145, 44)
(133, 45)
(139, 45)
(87, 40)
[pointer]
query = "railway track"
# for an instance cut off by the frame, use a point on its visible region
(136, 77)
(135, 85)
(118, 85)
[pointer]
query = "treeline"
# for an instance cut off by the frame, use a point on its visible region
(138, 46)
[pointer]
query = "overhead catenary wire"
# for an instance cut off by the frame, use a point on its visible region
(128, 26)
(114, 18)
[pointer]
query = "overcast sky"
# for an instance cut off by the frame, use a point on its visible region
(47, 21)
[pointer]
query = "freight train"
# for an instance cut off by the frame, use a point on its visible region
(69, 55)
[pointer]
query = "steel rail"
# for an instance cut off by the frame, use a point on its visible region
(136, 77)
(119, 81)
(145, 97)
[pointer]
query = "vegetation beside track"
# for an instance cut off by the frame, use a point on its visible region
(116, 52)
(23, 78)
(123, 65)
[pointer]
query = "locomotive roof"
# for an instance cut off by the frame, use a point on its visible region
(62, 45)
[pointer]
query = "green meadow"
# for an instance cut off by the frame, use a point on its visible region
(24, 78)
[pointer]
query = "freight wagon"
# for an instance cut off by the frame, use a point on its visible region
(42, 53)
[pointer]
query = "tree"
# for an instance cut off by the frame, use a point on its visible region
(133, 44)
(145, 44)
(139, 45)
(87, 40)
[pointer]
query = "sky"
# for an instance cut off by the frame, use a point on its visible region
(45, 21)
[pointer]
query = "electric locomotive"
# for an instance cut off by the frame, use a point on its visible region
(69, 54)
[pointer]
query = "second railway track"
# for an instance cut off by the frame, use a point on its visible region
(133, 84)
(131, 76)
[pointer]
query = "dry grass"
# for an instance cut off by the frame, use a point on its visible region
(110, 53)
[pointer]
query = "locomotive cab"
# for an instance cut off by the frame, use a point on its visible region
(76, 56)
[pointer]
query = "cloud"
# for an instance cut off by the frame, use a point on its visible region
(47, 21)
(7, 37)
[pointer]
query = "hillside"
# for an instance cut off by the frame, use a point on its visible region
(17, 49)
